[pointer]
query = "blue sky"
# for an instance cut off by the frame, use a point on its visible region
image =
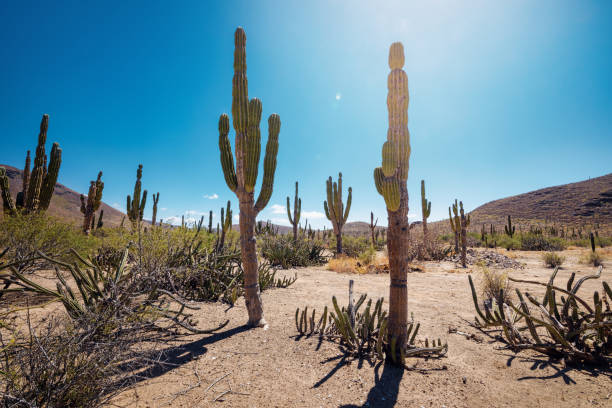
(506, 97)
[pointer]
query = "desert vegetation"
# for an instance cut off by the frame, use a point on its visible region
(92, 311)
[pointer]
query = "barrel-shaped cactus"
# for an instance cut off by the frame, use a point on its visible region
(426, 212)
(135, 203)
(335, 210)
(241, 179)
(297, 211)
(92, 203)
(38, 185)
(391, 182)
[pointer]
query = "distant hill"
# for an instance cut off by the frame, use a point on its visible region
(584, 202)
(65, 203)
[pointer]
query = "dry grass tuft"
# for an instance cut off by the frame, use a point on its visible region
(492, 283)
(344, 265)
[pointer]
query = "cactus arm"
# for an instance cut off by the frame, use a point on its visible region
(8, 204)
(227, 158)
(289, 211)
(267, 184)
(348, 204)
(327, 214)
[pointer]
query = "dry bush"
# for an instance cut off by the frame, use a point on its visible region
(344, 264)
(592, 258)
(552, 259)
(495, 286)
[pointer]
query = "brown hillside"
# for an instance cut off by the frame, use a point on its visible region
(66, 203)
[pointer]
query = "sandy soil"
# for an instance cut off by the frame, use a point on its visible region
(238, 367)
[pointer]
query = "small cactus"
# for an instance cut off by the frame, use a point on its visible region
(297, 211)
(509, 228)
(226, 224)
(155, 201)
(465, 223)
(455, 223)
(92, 203)
(373, 229)
(426, 211)
(136, 204)
(334, 208)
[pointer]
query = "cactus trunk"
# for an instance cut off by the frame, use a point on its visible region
(252, 294)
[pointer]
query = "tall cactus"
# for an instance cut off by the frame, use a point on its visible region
(210, 217)
(155, 201)
(464, 224)
(297, 211)
(246, 116)
(509, 228)
(136, 204)
(334, 208)
(373, 232)
(38, 186)
(455, 223)
(90, 205)
(226, 224)
(391, 183)
(426, 211)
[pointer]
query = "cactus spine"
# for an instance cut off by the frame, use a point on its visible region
(455, 223)
(38, 186)
(246, 116)
(373, 231)
(334, 208)
(90, 205)
(155, 201)
(297, 211)
(136, 204)
(426, 211)
(391, 183)
(464, 224)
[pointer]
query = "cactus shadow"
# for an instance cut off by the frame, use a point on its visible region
(561, 370)
(170, 358)
(386, 387)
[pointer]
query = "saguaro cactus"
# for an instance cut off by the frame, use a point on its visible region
(38, 186)
(391, 183)
(246, 116)
(334, 208)
(509, 228)
(136, 204)
(90, 205)
(297, 211)
(455, 223)
(464, 223)
(226, 223)
(373, 232)
(426, 211)
(155, 201)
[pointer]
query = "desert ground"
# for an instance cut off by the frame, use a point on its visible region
(240, 367)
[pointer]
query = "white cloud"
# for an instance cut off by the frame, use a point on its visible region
(164, 209)
(280, 221)
(236, 217)
(412, 215)
(213, 196)
(338, 96)
(312, 215)
(278, 209)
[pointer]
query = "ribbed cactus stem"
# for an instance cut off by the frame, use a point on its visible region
(373, 231)
(22, 196)
(297, 211)
(155, 201)
(36, 181)
(226, 223)
(241, 179)
(455, 223)
(90, 205)
(8, 205)
(464, 224)
(391, 182)
(100, 222)
(509, 228)
(335, 210)
(210, 223)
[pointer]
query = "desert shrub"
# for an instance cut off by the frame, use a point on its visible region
(283, 251)
(367, 256)
(343, 264)
(509, 243)
(552, 259)
(537, 242)
(592, 258)
(435, 251)
(25, 235)
(352, 246)
(495, 286)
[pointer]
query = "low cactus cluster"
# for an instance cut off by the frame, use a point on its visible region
(91, 204)
(569, 326)
(297, 211)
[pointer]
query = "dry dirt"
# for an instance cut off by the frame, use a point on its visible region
(239, 367)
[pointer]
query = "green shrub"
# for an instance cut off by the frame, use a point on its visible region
(367, 256)
(352, 246)
(537, 242)
(25, 235)
(552, 259)
(283, 251)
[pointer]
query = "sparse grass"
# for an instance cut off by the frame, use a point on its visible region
(552, 259)
(592, 258)
(344, 264)
(493, 282)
